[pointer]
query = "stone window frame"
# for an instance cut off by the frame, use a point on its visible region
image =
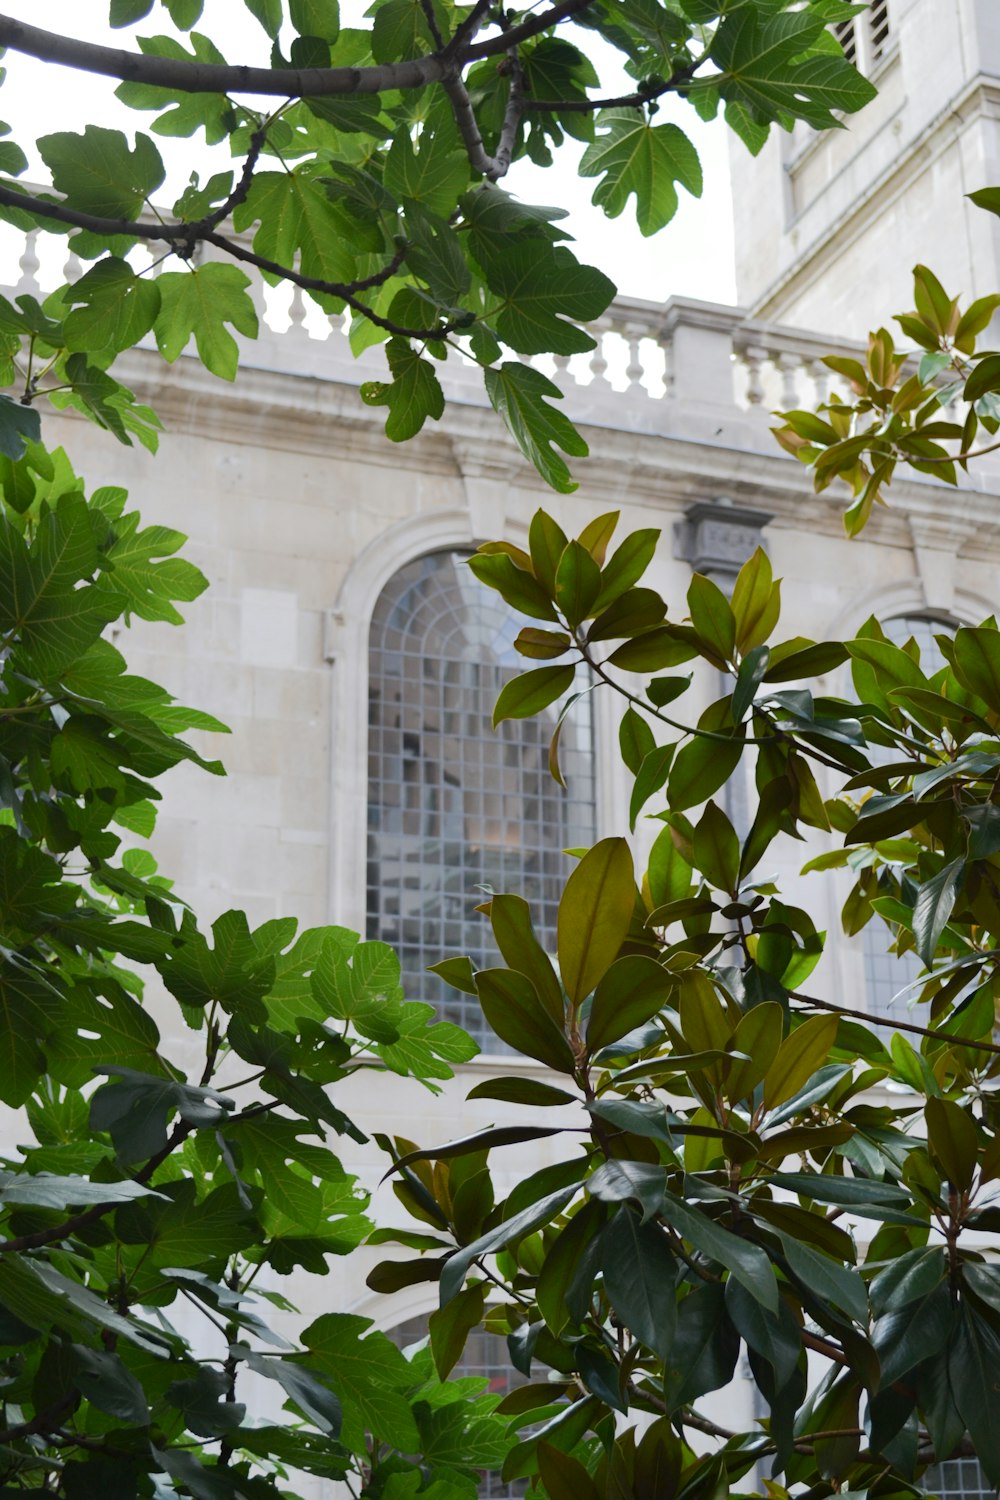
(346, 634)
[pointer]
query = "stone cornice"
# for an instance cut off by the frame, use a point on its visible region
(669, 470)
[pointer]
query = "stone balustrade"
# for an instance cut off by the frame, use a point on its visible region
(682, 353)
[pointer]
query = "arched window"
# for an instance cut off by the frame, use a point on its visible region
(485, 1354)
(887, 973)
(452, 804)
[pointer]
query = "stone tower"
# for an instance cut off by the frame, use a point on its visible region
(829, 225)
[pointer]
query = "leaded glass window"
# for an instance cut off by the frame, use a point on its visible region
(887, 973)
(958, 1479)
(454, 806)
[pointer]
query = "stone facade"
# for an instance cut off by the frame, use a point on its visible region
(300, 512)
(828, 226)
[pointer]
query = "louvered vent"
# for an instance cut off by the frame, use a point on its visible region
(878, 28)
(846, 36)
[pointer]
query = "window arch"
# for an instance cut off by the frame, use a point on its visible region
(452, 805)
(887, 973)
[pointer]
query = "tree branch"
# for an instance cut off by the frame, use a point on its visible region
(52, 1416)
(468, 126)
(870, 1020)
(193, 77)
(623, 101)
(513, 37)
(214, 78)
(41, 1237)
(184, 237)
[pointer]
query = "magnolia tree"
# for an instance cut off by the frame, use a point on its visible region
(743, 1181)
(730, 1143)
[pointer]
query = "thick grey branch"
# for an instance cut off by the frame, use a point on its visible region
(215, 78)
(468, 126)
(511, 120)
(186, 77)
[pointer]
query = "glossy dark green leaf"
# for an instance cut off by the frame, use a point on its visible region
(529, 693)
(717, 849)
(652, 775)
(653, 651)
(700, 767)
(626, 566)
(594, 916)
(933, 907)
(510, 918)
(511, 1006)
(522, 1091)
(712, 618)
(977, 663)
(520, 589)
(563, 1476)
(635, 739)
(631, 992)
(746, 1262)
(578, 581)
(954, 1140)
(639, 1273)
(819, 1274)
(505, 1233)
(547, 542)
(705, 1349)
(754, 602)
(757, 1037)
(800, 1056)
(450, 1326)
(750, 676)
(771, 1331)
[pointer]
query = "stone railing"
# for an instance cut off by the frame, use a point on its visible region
(649, 356)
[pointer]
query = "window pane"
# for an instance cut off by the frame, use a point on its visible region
(453, 805)
(957, 1479)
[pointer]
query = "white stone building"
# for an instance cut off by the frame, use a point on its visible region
(357, 667)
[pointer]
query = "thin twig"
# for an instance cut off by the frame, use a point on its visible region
(871, 1020)
(182, 236)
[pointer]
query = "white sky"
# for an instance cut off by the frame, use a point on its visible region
(691, 257)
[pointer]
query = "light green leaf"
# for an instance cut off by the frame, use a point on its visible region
(98, 173)
(594, 916)
(201, 302)
(647, 160)
(520, 394)
(413, 395)
(800, 1056)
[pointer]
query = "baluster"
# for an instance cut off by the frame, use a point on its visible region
(338, 325)
(598, 363)
(667, 345)
(754, 358)
(820, 374)
(72, 270)
(29, 265)
(634, 370)
(297, 314)
(789, 364)
(563, 372)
